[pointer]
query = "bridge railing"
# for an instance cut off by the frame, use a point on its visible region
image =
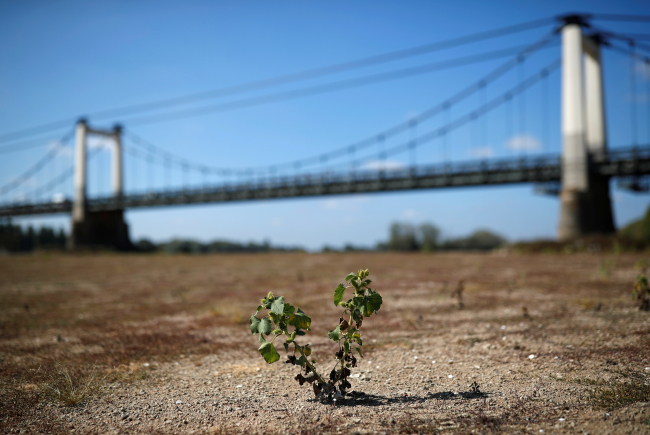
(523, 163)
(619, 162)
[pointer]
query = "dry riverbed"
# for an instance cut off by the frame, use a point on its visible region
(542, 344)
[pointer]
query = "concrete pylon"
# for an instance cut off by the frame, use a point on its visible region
(100, 229)
(118, 188)
(585, 201)
(80, 172)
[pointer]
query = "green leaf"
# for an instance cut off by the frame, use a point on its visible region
(262, 341)
(269, 353)
(371, 303)
(346, 347)
(300, 319)
(286, 347)
(275, 317)
(299, 332)
(289, 310)
(355, 283)
(358, 349)
(338, 294)
(255, 322)
(335, 334)
(301, 361)
(259, 308)
(357, 338)
(278, 306)
(307, 350)
(265, 326)
(356, 315)
(350, 276)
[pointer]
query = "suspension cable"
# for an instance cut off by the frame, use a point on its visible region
(288, 78)
(489, 106)
(8, 187)
(387, 133)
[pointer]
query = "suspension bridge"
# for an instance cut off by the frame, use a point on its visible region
(580, 175)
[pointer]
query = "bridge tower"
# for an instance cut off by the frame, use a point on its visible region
(97, 228)
(585, 200)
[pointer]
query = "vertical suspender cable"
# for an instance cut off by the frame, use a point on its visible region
(633, 96)
(381, 155)
(510, 122)
(168, 173)
(149, 163)
(646, 76)
(522, 109)
(445, 156)
(414, 133)
(133, 170)
(545, 115)
(484, 133)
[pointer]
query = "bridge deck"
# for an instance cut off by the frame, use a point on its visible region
(544, 169)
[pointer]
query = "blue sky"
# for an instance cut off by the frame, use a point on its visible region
(62, 60)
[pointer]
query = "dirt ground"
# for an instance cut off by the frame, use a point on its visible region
(111, 343)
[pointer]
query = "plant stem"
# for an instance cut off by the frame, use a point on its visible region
(345, 353)
(313, 369)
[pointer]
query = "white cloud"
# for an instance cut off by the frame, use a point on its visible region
(643, 69)
(523, 142)
(331, 204)
(386, 165)
(482, 153)
(409, 213)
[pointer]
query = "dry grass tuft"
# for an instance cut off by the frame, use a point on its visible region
(635, 388)
(72, 387)
(234, 314)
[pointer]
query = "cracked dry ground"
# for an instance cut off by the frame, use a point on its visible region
(163, 343)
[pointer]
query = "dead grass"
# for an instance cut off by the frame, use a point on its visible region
(632, 388)
(72, 387)
(104, 316)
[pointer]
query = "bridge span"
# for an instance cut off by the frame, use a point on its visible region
(580, 176)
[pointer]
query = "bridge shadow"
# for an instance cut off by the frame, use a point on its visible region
(362, 399)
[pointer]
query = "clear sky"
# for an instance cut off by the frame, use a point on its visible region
(65, 59)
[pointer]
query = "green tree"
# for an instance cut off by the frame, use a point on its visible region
(402, 237)
(430, 235)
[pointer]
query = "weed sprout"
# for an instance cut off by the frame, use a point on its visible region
(347, 335)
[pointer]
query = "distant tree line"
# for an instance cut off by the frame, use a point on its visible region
(13, 238)
(639, 229)
(427, 238)
(402, 237)
(180, 246)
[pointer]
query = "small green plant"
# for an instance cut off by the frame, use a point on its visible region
(347, 334)
(458, 293)
(641, 293)
(606, 267)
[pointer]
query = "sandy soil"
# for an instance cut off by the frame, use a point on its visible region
(553, 342)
